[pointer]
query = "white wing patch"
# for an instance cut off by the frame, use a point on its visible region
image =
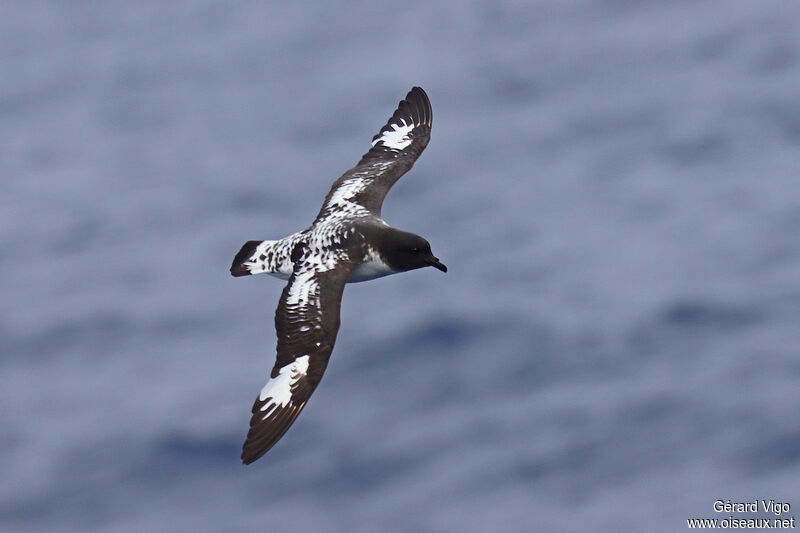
(347, 191)
(397, 138)
(279, 388)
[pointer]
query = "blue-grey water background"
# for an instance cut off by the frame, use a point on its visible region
(613, 184)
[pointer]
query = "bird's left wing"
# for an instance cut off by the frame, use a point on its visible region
(306, 321)
(394, 150)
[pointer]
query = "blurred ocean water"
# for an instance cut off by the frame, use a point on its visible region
(612, 184)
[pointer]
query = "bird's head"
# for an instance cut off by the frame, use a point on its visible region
(409, 252)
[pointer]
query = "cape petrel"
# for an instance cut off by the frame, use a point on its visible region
(348, 242)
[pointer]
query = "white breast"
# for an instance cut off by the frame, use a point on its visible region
(372, 268)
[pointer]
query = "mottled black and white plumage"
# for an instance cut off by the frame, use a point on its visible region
(348, 242)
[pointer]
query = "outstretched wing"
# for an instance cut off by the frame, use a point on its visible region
(307, 320)
(394, 150)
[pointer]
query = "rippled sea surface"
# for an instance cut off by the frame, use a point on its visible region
(613, 185)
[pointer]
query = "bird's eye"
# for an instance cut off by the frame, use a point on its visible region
(415, 250)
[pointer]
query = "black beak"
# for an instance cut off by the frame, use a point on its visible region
(434, 262)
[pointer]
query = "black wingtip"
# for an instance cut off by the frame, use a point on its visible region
(248, 460)
(250, 454)
(246, 252)
(265, 433)
(417, 93)
(419, 104)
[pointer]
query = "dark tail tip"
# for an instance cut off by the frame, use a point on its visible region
(247, 251)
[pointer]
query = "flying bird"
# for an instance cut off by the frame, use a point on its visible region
(347, 242)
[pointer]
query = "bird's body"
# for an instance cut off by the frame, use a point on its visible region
(347, 242)
(274, 257)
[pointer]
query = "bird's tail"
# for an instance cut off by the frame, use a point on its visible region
(254, 258)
